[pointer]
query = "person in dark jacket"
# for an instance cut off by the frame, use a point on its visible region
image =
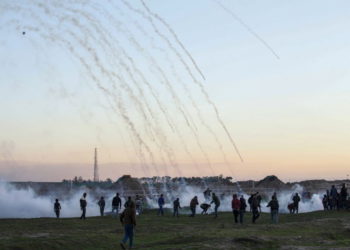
(128, 220)
(274, 206)
(116, 204)
(333, 196)
(176, 207)
(216, 201)
(343, 196)
(160, 205)
(101, 203)
(296, 200)
(193, 205)
(83, 204)
(255, 208)
(57, 208)
(243, 206)
(325, 202)
(236, 205)
(128, 202)
(204, 207)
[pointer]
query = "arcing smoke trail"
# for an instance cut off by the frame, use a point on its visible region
(174, 35)
(204, 92)
(246, 26)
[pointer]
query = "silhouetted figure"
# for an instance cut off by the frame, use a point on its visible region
(236, 206)
(259, 198)
(101, 203)
(243, 206)
(177, 206)
(255, 208)
(204, 207)
(216, 201)
(343, 196)
(193, 205)
(333, 197)
(274, 206)
(160, 205)
(296, 200)
(128, 202)
(116, 204)
(128, 220)
(57, 208)
(83, 204)
(325, 202)
(138, 204)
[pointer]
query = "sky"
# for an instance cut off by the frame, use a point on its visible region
(289, 116)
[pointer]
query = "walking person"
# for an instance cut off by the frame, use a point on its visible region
(243, 206)
(216, 201)
(83, 204)
(101, 203)
(176, 207)
(236, 205)
(255, 208)
(116, 204)
(193, 205)
(57, 208)
(296, 200)
(128, 220)
(274, 206)
(160, 205)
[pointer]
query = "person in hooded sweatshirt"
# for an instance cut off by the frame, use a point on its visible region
(128, 220)
(274, 206)
(83, 204)
(236, 205)
(57, 208)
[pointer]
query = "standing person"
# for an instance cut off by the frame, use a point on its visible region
(274, 206)
(243, 206)
(325, 202)
(343, 196)
(216, 201)
(333, 197)
(101, 203)
(128, 202)
(258, 197)
(296, 200)
(116, 204)
(128, 220)
(176, 207)
(138, 203)
(83, 204)
(255, 208)
(160, 205)
(250, 199)
(193, 205)
(57, 208)
(236, 205)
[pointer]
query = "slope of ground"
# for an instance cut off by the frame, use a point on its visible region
(316, 230)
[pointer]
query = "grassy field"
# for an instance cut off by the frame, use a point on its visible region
(316, 230)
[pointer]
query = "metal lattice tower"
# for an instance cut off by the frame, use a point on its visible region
(96, 177)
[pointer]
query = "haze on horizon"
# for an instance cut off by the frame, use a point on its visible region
(289, 117)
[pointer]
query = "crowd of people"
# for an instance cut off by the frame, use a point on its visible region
(332, 200)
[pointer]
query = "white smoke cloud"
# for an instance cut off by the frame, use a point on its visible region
(25, 203)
